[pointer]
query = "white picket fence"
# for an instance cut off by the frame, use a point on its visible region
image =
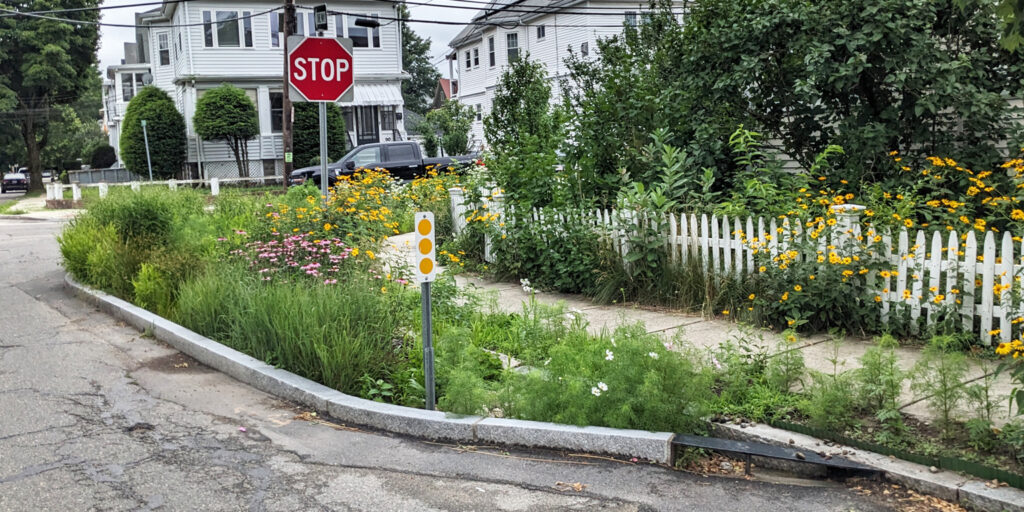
(56, 190)
(932, 270)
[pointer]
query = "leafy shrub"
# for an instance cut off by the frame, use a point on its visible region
(152, 290)
(831, 396)
(102, 157)
(148, 216)
(78, 239)
(626, 380)
(880, 381)
(937, 377)
(307, 134)
(165, 128)
(559, 252)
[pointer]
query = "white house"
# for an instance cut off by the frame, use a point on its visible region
(186, 48)
(545, 29)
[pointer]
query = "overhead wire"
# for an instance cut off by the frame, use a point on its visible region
(127, 25)
(538, 10)
(96, 8)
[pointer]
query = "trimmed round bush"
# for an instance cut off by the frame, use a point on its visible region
(165, 127)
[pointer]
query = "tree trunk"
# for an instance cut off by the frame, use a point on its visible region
(33, 149)
(237, 150)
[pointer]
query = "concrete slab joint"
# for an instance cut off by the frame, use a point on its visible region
(655, 446)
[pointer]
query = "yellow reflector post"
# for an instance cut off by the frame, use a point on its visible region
(426, 264)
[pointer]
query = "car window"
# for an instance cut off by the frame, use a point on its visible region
(367, 156)
(401, 153)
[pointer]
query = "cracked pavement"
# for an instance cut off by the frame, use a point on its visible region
(96, 416)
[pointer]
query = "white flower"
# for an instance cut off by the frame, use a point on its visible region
(613, 342)
(548, 361)
(608, 356)
(595, 391)
(602, 386)
(715, 360)
(526, 285)
(654, 355)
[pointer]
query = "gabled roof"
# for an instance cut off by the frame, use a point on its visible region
(496, 15)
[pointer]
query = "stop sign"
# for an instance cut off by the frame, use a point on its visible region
(320, 68)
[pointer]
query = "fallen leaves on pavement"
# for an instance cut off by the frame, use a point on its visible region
(566, 486)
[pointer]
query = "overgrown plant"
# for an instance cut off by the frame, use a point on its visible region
(880, 382)
(937, 377)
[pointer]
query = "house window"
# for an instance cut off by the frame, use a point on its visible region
(631, 18)
(275, 30)
(230, 30)
(164, 47)
(179, 43)
(131, 84)
(490, 51)
(512, 46)
(127, 91)
(247, 29)
(476, 57)
(387, 117)
(584, 49)
(541, 31)
(363, 37)
(469, 60)
(276, 111)
(479, 112)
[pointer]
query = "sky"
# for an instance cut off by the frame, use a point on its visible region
(112, 39)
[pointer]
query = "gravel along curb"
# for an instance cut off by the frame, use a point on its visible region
(946, 485)
(654, 446)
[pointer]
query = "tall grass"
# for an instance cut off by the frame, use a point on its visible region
(332, 334)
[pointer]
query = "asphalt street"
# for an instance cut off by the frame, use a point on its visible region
(96, 416)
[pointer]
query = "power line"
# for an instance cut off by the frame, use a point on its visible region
(538, 10)
(128, 25)
(97, 8)
(508, 24)
(501, 7)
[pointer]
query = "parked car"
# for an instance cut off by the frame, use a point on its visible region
(300, 176)
(403, 160)
(13, 181)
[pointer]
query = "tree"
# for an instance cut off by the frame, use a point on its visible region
(306, 131)
(872, 76)
(103, 156)
(522, 107)
(226, 113)
(46, 63)
(453, 120)
(165, 128)
(523, 132)
(71, 138)
(416, 91)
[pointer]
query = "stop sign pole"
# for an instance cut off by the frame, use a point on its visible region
(320, 70)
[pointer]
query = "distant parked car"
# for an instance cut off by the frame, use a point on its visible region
(403, 160)
(300, 176)
(13, 181)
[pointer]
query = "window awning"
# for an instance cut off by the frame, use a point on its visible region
(378, 94)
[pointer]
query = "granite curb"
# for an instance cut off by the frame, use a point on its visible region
(946, 485)
(654, 446)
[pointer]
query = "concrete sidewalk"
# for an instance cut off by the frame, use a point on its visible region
(34, 208)
(701, 332)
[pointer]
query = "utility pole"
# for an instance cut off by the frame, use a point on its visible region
(286, 103)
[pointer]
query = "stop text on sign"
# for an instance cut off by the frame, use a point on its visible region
(320, 69)
(330, 69)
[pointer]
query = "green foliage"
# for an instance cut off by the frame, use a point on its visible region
(626, 379)
(923, 78)
(453, 121)
(226, 113)
(102, 156)
(430, 144)
(615, 103)
(937, 377)
(165, 128)
(78, 239)
(153, 290)
(880, 382)
(560, 252)
(523, 132)
(45, 63)
(306, 131)
(148, 216)
(320, 332)
(417, 90)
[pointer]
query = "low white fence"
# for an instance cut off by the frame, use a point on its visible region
(55, 191)
(933, 271)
